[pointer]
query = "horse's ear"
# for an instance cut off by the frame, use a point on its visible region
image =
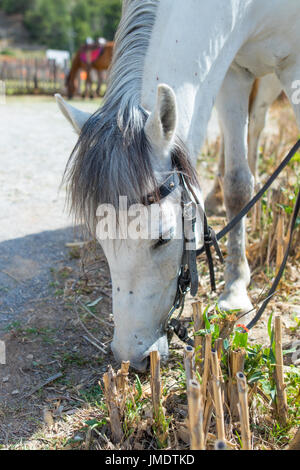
(76, 117)
(161, 125)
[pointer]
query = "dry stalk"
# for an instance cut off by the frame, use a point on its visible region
(295, 444)
(276, 197)
(196, 416)
(227, 326)
(254, 219)
(206, 386)
(256, 213)
(217, 392)
(189, 364)
(158, 411)
(198, 325)
(280, 241)
(208, 410)
(244, 410)
(122, 377)
(78, 244)
(111, 396)
(236, 362)
(122, 384)
(206, 369)
(219, 347)
(155, 382)
(269, 240)
(197, 317)
(43, 384)
(282, 409)
(268, 257)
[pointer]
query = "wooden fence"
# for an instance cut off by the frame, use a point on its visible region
(32, 76)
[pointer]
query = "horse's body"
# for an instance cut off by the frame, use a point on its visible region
(205, 52)
(88, 59)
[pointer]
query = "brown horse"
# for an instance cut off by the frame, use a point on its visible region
(88, 58)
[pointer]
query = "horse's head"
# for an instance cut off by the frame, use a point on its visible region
(70, 84)
(143, 243)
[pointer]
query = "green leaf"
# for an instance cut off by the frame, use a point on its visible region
(240, 339)
(273, 394)
(95, 423)
(289, 351)
(139, 387)
(255, 377)
(270, 326)
(205, 318)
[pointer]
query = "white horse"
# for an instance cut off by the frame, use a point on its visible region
(194, 47)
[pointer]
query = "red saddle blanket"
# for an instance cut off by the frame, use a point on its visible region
(89, 56)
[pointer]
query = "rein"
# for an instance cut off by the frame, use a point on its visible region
(188, 276)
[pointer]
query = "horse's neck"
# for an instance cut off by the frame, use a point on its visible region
(192, 46)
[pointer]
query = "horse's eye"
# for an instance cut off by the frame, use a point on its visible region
(161, 242)
(166, 238)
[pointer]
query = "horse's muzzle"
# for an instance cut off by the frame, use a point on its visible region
(140, 360)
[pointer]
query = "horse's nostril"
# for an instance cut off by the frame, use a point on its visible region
(142, 365)
(139, 364)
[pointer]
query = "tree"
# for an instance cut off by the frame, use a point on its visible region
(111, 11)
(63, 23)
(95, 18)
(16, 6)
(81, 21)
(49, 23)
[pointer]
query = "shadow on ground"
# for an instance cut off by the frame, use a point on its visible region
(26, 269)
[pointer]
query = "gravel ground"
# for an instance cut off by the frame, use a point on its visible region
(35, 143)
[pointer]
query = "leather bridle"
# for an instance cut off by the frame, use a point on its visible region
(188, 275)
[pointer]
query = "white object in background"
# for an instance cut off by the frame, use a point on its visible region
(60, 57)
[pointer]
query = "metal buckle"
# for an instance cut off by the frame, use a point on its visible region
(189, 210)
(181, 331)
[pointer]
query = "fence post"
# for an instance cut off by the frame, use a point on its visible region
(35, 78)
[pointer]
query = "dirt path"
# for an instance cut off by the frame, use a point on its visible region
(35, 142)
